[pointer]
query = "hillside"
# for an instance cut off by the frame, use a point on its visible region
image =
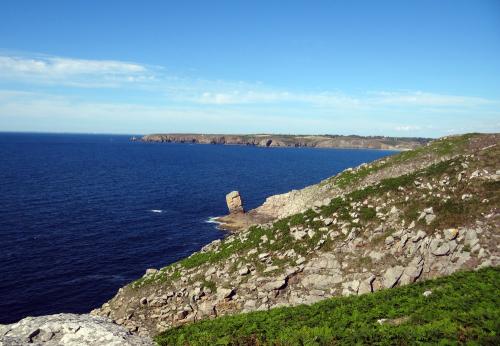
(315, 141)
(461, 308)
(407, 218)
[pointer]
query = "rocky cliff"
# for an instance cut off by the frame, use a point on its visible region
(263, 140)
(416, 215)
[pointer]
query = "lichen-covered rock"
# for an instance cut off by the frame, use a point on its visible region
(69, 330)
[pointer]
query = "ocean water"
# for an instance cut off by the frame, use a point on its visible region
(83, 215)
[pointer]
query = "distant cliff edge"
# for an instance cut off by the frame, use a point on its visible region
(314, 141)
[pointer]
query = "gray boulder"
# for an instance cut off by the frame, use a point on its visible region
(392, 275)
(68, 329)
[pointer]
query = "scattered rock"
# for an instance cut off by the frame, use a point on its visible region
(151, 271)
(223, 293)
(207, 308)
(275, 285)
(182, 314)
(450, 233)
(392, 275)
(389, 240)
(299, 235)
(466, 196)
(210, 271)
(438, 248)
(419, 236)
(471, 238)
(244, 271)
(429, 218)
(366, 285)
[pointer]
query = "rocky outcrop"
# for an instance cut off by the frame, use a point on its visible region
(69, 329)
(234, 202)
(264, 140)
(317, 195)
(396, 221)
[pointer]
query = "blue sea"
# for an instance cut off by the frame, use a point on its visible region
(83, 215)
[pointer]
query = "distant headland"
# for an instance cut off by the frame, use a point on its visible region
(271, 140)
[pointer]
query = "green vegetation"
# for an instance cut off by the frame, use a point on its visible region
(438, 148)
(463, 308)
(209, 284)
(367, 213)
(165, 276)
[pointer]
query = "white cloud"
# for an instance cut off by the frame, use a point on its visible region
(63, 66)
(337, 100)
(407, 128)
(242, 97)
(72, 72)
(419, 98)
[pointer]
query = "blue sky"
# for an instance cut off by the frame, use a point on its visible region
(399, 68)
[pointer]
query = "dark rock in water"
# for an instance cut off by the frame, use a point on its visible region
(234, 202)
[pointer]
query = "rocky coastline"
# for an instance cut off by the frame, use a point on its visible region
(310, 141)
(414, 216)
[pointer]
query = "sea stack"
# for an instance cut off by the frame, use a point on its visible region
(234, 202)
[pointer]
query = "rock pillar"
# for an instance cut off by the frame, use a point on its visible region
(234, 202)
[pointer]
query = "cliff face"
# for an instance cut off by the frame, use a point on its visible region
(413, 216)
(388, 143)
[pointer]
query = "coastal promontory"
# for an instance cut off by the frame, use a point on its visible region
(312, 141)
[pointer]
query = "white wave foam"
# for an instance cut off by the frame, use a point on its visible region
(213, 219)
(156, 211)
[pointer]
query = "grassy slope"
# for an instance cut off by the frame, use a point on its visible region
(463, 308)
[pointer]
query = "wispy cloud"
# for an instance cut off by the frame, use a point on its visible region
(407, 128)
(408, 98)
(82, 73)
(419, 98)
(266, 97)
(72, 72)
(30, 111)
